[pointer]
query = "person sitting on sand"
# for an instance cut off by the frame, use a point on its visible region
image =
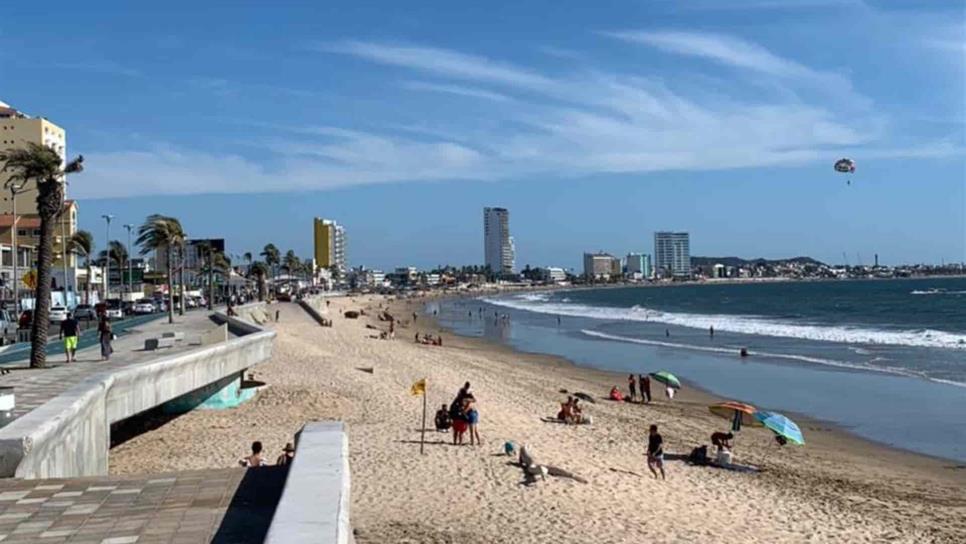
(722, 441)
(577, 410)
(615, 394)
(443, 421)
(255, 459)
(288, 453)
(566, 413)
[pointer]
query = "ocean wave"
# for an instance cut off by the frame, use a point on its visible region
(937, 291)
(742, 324)
(797, 358)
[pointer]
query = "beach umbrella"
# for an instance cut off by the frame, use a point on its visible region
(667, 379)
(738, 413)
(782, 426)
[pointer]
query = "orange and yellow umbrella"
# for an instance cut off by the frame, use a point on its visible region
(738, 413)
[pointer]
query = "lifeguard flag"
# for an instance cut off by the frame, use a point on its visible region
(418, 388)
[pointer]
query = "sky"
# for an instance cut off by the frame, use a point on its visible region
(595, 123)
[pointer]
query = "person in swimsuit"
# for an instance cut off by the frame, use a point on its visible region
(722, 441)
(632, 386)
(655, 452)
(646, 388)
(255, 459)
(472, 419)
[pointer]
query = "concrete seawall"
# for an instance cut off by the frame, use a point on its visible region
(69, 436)
(314, 508)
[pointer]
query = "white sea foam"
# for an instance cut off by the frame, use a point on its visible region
(798, 358)
(742, 324)
(938, 291)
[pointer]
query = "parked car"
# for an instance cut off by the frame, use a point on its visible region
(143, 307)
(84, 311)
(191, 302)
(114, 309)
(58, 314)
(283, 297)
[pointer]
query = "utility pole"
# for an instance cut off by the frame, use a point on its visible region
(107, 260)
(130, 275)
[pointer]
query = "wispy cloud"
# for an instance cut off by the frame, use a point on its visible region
(584, 121)
(459, 90)
(98, 67)
(443, 62)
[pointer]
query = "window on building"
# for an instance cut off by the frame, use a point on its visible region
(21, 232)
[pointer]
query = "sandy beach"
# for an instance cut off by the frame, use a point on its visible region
(838, 488)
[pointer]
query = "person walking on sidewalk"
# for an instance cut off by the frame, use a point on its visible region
(105, 335)
(68, 333)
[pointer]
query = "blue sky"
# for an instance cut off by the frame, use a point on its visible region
(596, 123)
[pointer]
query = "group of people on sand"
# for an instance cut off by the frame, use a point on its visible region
(642, 384)
(462, 416)
(429, 339)
(572, 412)
(256, 459)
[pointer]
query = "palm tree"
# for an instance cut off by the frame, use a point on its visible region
(43, 166)
(117, 253)
(162, 234)
(82, 243)
(260, 270)
(248, 260)
(272, 259)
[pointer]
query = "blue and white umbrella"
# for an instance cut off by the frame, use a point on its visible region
(782, 426)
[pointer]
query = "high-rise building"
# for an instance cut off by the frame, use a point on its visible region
(17, 129)
(330, 244)
(498, 250)
(672, 254)
(601, 266)
(638, 265)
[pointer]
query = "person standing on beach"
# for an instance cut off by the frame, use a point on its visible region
(472, 419)
(632, 387)
(711, 331)
(655, 452)
(645, 388)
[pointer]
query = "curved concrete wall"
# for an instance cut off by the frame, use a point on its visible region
(314, 507)
(69, 436)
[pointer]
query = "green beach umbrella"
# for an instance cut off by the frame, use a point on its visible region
(667, 379)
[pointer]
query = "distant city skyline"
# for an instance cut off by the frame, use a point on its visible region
(403, 121)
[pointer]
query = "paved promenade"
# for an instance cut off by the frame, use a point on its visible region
(34, 387)
(219, 506)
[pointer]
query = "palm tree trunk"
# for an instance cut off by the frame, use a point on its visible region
(170, 286)
(211, 279)
(181, 262)
(41, 318)
(87, 290)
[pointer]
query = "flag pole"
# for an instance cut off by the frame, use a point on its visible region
(422, 431)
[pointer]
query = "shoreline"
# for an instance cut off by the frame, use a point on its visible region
(827, 430)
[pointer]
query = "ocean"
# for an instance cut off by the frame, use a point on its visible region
(885, 359)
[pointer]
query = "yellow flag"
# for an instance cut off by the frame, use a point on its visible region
(418, 388)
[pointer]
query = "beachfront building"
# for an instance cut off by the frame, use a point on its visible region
(330, 245)
(17, 129)
(638, 266)
(498, 250)
(672, 254)
(601, 266)
(553, 274)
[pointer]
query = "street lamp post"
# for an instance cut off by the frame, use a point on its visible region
(15, 189)
(130, 275)
(107, 260)
(63, 247)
